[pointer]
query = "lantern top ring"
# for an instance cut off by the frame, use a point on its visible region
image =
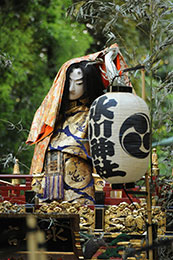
(126, 89)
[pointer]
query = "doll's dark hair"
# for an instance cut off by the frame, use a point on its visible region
(93, 85)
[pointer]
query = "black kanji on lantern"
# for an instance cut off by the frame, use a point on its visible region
(102, 147)
(100, 129)
(102, 117)
(106, 168)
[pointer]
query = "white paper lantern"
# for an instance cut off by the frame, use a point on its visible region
(119, 137)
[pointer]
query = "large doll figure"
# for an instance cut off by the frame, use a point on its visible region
(60, 125)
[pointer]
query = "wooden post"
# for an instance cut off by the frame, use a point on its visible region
(149, 213)
(41, 242)
(99, 202)
(16, 170)
(31, 237)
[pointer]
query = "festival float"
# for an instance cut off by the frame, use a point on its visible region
(127, 220)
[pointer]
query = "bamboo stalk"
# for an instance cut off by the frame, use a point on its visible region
(143, 84)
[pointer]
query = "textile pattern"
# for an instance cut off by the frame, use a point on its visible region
(68, 155)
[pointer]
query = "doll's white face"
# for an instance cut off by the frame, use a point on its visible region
(76, 86)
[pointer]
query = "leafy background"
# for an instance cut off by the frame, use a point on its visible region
(36, 39)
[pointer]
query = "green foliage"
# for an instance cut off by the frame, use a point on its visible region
(143, 30)
(36, 39)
